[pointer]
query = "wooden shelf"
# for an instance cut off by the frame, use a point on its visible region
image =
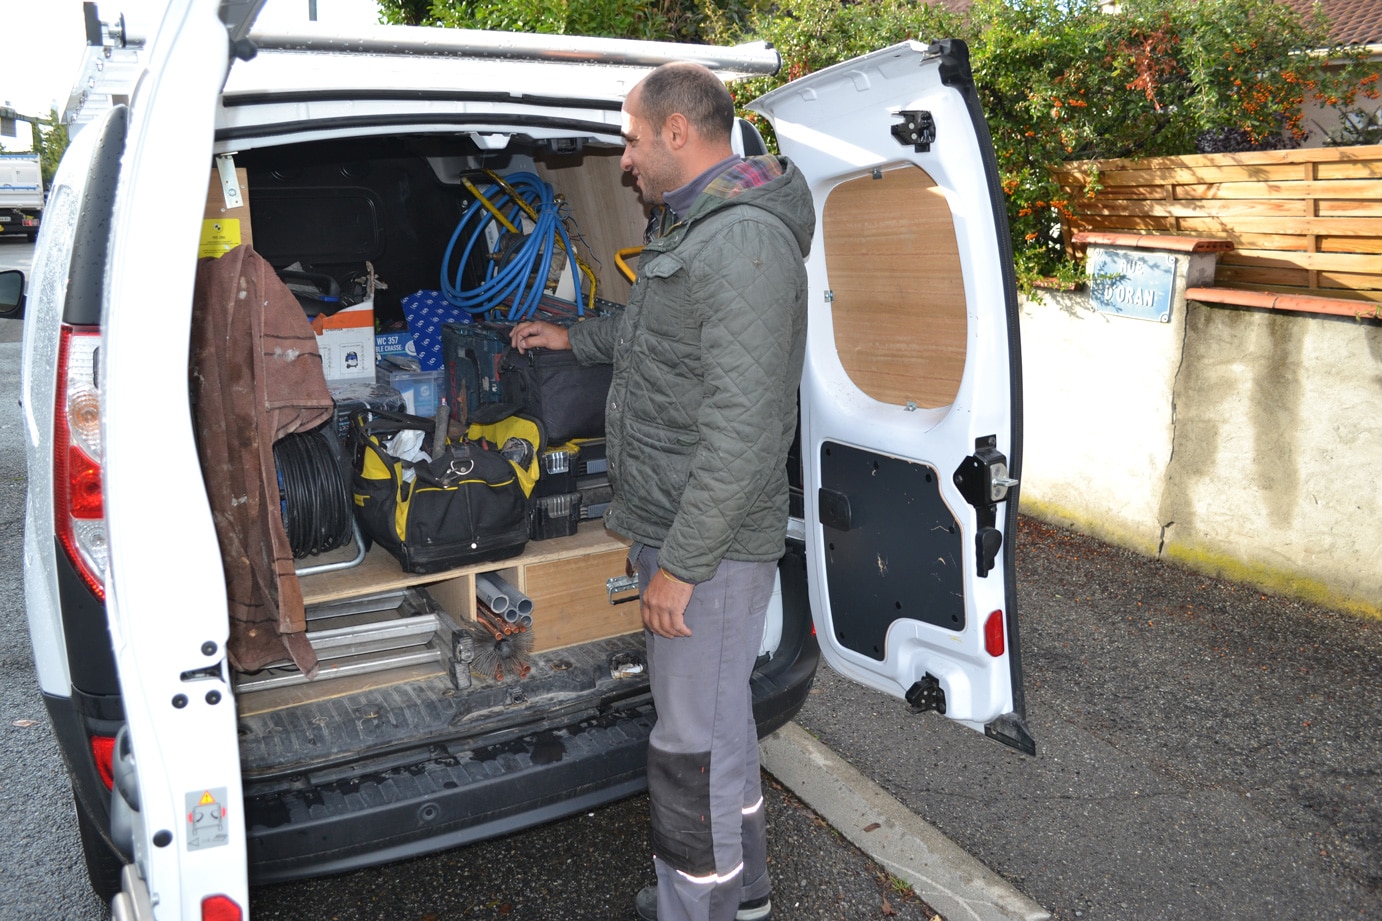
(380, 572)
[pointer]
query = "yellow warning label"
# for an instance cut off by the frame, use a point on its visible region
(219, 236)
(207, 799)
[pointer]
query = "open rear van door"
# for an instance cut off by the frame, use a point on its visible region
(177, 766)
(911, 393)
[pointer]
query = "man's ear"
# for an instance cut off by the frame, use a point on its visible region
(677, 131)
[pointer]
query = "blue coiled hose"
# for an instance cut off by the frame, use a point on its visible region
(524, 276)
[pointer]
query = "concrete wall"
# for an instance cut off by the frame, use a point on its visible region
(1243, 443)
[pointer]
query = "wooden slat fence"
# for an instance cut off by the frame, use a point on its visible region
(1304, 222)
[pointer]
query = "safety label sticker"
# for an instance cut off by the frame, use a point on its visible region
(219, 236)
(206, 819)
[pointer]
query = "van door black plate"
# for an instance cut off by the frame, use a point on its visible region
(902, 555)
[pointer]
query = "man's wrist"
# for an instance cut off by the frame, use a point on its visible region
(671, 578)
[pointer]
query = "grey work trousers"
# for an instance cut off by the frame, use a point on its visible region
(709, 829)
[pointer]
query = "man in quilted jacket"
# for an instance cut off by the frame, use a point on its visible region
(707, 357)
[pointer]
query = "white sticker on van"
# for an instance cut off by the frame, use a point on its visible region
(206, 819)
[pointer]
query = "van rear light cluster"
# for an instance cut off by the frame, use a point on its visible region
(994, 642)
(78, 509)
(220, 908)
(103, 753)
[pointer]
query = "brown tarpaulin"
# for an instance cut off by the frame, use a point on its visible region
(256, 376)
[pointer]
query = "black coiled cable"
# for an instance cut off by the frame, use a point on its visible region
(312, 486)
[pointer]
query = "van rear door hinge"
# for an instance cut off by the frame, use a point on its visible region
(917, 128)
(230, 183)
(927, 694)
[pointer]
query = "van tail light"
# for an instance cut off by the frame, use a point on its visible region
(220, 908)
(78, 508)
(103, 753)
(993, 635)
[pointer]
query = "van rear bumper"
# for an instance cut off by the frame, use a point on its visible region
(450, 798)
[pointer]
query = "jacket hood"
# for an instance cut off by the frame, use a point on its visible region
(768, 182)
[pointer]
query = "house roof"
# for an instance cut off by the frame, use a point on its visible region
(1351, 22)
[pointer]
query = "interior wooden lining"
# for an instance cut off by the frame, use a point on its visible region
(606, 207)
(899, 304)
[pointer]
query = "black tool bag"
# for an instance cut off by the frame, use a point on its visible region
(568, 397)
(467, 505)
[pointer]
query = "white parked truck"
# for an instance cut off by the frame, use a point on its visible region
(21, 193)
(193, 775)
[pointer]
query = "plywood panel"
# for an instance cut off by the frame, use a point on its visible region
(898, 314)
(456, 595)
(216, 209)
(606, 207)
(381, 572)
(570, 604)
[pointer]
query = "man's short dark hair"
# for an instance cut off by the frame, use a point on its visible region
(693, 91)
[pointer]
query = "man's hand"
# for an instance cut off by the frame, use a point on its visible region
(539, 334)
(663, 604)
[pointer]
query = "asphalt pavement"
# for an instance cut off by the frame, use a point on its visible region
(1205, 752)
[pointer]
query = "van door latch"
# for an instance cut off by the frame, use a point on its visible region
(917, 128)
(621, 589)
(983, 480)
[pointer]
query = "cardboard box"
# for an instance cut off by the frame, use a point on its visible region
(225, 227)
(346, 342)
(422, 390)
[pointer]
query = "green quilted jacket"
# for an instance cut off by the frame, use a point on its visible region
(707, 359)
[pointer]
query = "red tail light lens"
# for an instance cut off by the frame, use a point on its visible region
(994, 643)
(220, 908)
(84, 486)
(103, 752)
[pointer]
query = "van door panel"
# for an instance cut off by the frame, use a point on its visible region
(165, 588)
(880, 565)
(910, 423)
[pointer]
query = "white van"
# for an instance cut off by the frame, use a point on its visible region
(21, 194)
(192, 779)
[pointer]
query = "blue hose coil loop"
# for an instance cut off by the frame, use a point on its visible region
(532, 260)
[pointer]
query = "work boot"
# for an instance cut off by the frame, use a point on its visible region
(756, 910)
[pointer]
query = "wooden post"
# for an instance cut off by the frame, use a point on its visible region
(1312, 211)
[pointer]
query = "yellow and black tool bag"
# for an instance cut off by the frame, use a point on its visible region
(459, 504)
(518, 438)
